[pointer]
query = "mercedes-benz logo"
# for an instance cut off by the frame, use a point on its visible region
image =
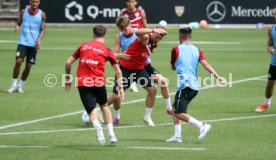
(216, 11)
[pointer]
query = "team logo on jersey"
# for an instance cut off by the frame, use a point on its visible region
(137, 15)
(17, 54)
(179, 10)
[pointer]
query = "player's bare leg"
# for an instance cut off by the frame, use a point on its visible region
(16, 72)
(150, 99)
(177, 131)
(115, 100)
(24, 77)
(96, 124)
(158, 78)
(108, 121)
(268, 94)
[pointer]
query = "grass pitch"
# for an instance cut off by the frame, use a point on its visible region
(237, 131)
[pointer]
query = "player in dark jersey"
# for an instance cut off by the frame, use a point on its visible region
(137, 16)
(32, 22)
(91, 79)
(133, 69)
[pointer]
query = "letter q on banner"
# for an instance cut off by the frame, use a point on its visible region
(77, 16)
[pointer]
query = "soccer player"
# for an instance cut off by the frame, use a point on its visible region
(133, 69)
(138, 20)
(271, 46)
(32, 22)
(91, 78)
(184, 59)
(122, 41)
(137, 16)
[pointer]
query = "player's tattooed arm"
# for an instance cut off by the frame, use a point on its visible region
(19, 21)
(42, 31)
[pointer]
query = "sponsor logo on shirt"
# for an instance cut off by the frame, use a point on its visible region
(89, 61)
(86, 47)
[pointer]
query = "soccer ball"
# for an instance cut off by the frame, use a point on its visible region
(85, 118)
(162, 23)
(203, 24)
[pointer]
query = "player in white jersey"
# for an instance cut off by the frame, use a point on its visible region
(32, 22)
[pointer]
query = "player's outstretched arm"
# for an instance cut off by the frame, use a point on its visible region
(119, 78)
(210, 69)
(68, 81)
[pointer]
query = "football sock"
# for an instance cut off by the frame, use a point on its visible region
(177, 130)
(148, 112)
(96, 124)
(14, 82)
(110, 129)
(195, 122)
(21, 83)
(168, 103)
(268, 101)
(117, 114)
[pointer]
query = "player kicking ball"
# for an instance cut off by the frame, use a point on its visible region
(92, 57)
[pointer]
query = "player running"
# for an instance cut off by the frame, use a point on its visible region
(91, 78)
(184, 60)
(32, 22)
(271, 46)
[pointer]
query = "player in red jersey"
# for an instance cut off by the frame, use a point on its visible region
(91, 79)
(137, 16)
(133, 69)
(138, 20)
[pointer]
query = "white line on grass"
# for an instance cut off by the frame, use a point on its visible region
(7, 41)
(201, 42)
(124, 103)
(135, 126)
(25, 146)
(168, 148)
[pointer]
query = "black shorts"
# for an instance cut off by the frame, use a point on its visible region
(92, 95)
(151, 70)
(272, 72)
(141, 77)
(182, 99)
(26, 51)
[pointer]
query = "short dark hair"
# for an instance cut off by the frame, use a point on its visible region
(99, 30)
(185, 31)
(128, 0)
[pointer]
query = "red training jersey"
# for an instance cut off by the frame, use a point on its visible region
(92, 59)
(138, 54)
(134, 17)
